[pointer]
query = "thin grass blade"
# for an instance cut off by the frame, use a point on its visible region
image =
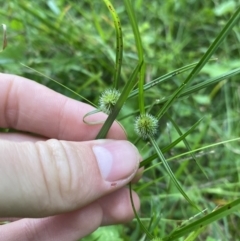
(64, 86)
(202, 85)
(144, 229)
(119, 43)
(161, 79)
(213, 47)
(209, 218)
(169, 147)
(4, 40)
(138, 41)
(187, 144)
(169, 171)
(203, 148)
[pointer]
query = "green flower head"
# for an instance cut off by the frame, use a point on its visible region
(108, 99)
(146, 125)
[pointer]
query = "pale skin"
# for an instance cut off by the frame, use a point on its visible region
(59, 184)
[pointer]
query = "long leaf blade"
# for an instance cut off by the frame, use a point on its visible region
(213, 47)
(210, 218)
(169, 171)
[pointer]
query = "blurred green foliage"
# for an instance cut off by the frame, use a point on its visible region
(73, 42)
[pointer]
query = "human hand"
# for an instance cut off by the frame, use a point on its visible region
(62, 184)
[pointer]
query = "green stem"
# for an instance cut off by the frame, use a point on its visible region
(119, 43)
(139, 46)
(144, 229)
(4, 41)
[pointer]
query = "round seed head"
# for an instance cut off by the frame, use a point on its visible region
(108, 99)
(146, 125)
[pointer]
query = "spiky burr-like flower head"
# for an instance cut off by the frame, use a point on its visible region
(146, 125)
(108, 99)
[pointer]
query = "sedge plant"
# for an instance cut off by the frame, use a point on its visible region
(146, 125)
(175, 205)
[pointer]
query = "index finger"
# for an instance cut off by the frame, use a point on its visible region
(28, 106)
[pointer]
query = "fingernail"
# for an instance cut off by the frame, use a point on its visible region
(117, 160)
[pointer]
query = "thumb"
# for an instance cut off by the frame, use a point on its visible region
(50, 177)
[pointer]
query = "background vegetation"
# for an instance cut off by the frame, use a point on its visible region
(73, 42)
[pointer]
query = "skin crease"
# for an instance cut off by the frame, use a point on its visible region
(43, 213)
